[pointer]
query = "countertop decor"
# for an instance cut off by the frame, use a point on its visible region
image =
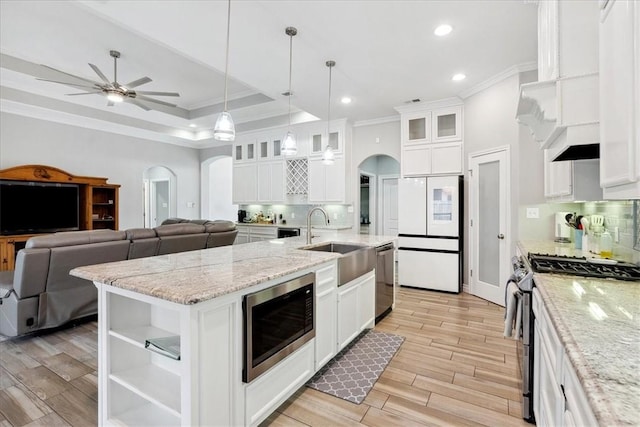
(598, 322)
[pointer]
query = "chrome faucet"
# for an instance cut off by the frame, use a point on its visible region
(326, 221)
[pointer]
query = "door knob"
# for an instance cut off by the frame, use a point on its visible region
(501, 236)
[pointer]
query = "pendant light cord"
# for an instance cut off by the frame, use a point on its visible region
(226, 65)
(290, 68)
(330, 64)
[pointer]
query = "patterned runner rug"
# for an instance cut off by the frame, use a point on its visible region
(351, 374)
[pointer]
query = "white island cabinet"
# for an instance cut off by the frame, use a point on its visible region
(199, 297)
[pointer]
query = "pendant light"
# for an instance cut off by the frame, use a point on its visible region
(289, 146)
(225, 129)
(328, 156)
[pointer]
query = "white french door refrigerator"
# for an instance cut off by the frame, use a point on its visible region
(430, 232)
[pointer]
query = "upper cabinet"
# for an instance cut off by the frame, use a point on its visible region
(620, 99)
(447, 124)
(565, 100)
(431, 135)
(262, 174)
(569, 181)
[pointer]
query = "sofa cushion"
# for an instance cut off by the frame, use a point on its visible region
(178, 229)
(222, 238)
(174, 221)
(73, 238)
(219, 225)
(6, 283)
(140, 233)
(30, 275)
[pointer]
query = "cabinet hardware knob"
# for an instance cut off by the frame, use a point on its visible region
(501, 236)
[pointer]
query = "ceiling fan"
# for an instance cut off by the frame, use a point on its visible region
(114, 91)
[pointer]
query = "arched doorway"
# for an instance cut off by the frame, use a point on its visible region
(378, 195)
(159, 186)
(217, 178)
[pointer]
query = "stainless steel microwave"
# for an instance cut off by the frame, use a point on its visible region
(277, 321)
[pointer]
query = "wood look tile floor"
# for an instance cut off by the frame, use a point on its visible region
(454, 368)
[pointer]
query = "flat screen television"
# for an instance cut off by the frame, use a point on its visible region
(36, 207)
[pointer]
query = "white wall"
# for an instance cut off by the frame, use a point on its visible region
(217, 174)
(88, 152)
(489, 122)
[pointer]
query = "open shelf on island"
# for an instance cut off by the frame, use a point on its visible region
(129, 409)
(154, 384)
(138, 335)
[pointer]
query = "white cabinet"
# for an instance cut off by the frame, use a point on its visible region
(259, 233)
(326, 314)
(140, 387)
(243, 234)
(269, 148)
(558, 396)
(318, 139)
(244, 151)
(571, 180)
(548, 40)
(431, 136)
(270, 181)
(620, 99)
(244, 186)
(327, 183)
(447, 124)
(356, 308)
(432, 159)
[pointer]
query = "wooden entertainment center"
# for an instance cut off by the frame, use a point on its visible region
(98, 204)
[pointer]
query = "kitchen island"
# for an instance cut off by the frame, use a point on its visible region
(597, 322)
(198, 296)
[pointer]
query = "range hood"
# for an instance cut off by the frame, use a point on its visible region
(563, 116)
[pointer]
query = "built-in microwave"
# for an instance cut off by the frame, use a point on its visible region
(277, 321)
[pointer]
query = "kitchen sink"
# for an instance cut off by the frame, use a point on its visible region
(355, 260)
(341, 248)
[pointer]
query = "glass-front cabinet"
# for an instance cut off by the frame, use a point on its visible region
(318, 138)
(269, 149)
(244, 151)
(417, 128)
(447, 124)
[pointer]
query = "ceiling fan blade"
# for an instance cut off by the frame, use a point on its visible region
(69, 84)
(147, 92)
(71, 75)
(157, 101)
(139, 82)
(100, 74)
(139, 104)
(83, 93)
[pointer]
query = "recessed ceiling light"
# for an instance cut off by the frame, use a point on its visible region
(345, 100)
(192, 125)
(458, 77)
(442, 30)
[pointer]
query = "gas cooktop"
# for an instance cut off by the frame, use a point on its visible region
(544, 263)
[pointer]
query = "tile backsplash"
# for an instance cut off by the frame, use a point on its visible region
(619, 214)
(296, 215)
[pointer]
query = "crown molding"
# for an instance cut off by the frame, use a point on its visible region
(515, 69)
(378, 121)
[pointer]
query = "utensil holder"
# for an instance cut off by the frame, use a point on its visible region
(577, 239)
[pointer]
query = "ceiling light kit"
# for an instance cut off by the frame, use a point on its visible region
(224, 129)
(442, 30)
(289, 146)
(114, 91)
(345, 100)
(458, 77)
(328, 155)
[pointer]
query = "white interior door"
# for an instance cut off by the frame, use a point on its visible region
(489, 223)
(389, 207)
(159, 201)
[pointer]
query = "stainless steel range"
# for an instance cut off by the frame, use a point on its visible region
(600, 268)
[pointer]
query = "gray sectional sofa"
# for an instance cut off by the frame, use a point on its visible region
(40, 293)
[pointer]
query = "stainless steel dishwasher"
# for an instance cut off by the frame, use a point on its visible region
(385, 279)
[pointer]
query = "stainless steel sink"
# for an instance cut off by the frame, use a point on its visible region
(341, 248)
(355, 261)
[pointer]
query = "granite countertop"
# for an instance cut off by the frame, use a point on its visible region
(315, 227)
(195, 276)
(598, 322)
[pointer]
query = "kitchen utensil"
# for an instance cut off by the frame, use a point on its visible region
(597, 221)
(585, 224)
(569, 218)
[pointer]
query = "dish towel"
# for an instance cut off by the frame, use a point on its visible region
(513, 310)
